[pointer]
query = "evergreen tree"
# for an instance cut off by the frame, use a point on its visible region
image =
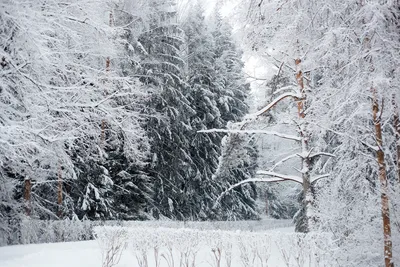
(163, 68)
(231, 87)
(217, 93)
(202, 94)
(238, 162)
(275, 201)
(116, 185)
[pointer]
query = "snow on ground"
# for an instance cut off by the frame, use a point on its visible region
(69, 254)
(88, 254)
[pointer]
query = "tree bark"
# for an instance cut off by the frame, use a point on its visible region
(384, 184)
(300, 82)
(396, 125)
(27, 196)
(306, 161)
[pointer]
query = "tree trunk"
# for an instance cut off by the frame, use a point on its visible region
(305, 162)
(396, 125)
(108, 63)
(384, 184)
(27, 196)
(300, 82)
(59, 192)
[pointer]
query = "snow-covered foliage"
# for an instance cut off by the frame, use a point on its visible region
(40, 231)
(238, 162)
(127, 110)
(101, 103)
(67, 104)
(201, 88)
(166, 246)
(349, 57)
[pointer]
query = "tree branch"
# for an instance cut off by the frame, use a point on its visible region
(289, 87)
(322, 154)
(283, 160)
(251, 180)
(283, 177)
(273, 103)
(281, 135)
(319, 177)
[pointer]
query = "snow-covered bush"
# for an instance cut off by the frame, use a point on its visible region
(251, 226)
(40, 231)
(219, 248)
(37, 231)
(112, 245)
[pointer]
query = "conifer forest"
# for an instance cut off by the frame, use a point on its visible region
(125, 120)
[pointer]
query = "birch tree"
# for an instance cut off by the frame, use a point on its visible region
(349, 48)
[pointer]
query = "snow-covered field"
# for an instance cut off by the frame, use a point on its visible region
(181, 254)
(69, 254)
(48, 231)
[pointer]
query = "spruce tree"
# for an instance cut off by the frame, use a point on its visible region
(238, 160)
(163, 69)
(204, 149)
(217, 92)
(116, 185)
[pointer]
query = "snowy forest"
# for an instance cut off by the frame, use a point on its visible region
(218, 110)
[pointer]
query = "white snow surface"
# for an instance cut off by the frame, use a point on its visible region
(89, 254)
(68, 254)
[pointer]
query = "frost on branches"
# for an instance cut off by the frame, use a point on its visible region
(348, 51)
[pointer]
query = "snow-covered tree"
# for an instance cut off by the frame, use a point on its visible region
(347, 50)
(200, 189)
(64, 95)
(238, 162)
(218, 93)
(162, 67)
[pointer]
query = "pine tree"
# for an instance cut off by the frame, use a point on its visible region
(238, 162)
(162, 68)
(276, 201)
(232, 89)
(204, 149)
(239, 154)
(217, 93)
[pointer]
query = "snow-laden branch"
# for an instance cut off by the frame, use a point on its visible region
(283, 160)
(372, 147)
(308, 154)
(250, 180)
(283, 177)
(58, 139)
(255, 78)
(281, 135)
(322, 154)
(317, 178)
(273, 103)
(96, 104)
(275, 177)
(286, 88)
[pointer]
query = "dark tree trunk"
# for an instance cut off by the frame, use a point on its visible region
(384, 184)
